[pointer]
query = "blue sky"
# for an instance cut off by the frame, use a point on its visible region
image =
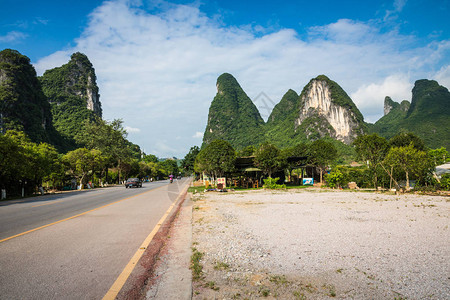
(164, 56)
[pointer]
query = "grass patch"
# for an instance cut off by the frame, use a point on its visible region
(221, 266)
(277, 279)
(196, 266)
(196, 189)
(265, 292)
(299, 295)
(212, 285)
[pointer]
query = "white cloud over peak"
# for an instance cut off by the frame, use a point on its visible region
(369, 96)
(157, 71)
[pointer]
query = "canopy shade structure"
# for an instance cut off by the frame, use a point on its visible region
(252, 170)
(443, 169)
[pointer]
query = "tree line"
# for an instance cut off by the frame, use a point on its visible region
(384, 163)
(106, 156)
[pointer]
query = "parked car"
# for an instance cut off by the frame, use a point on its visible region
(136, 182)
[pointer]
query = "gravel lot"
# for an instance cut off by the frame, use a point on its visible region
(321, 244)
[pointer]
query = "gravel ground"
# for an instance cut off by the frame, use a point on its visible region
(316, 244)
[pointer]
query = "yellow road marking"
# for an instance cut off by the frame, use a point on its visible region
(120, 281)
(73, 217)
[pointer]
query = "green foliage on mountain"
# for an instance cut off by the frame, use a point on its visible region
(23, 106)
(389, 124)
(281, 128)
(232, 116)
(70, 89)
(428, 115)
(285, 109)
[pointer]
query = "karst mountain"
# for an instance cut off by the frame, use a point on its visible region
(324, 110)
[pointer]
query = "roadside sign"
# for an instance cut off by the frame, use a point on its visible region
(308, 181)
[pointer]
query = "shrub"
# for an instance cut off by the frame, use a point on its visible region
(334, 179)
(445, 182)
(271, 184)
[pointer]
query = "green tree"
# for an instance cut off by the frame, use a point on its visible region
(217, 158)
(404, 139)
(24, 161)
(12, 161)
(268, 158)
(82, 161)
(170, 166)
(144, 169)
(150, 158)
(45, 162)
(413, 162)
(335, 178)
(438, 156)
(373, 149)
(322, 153)
(247, 151)
(189, 160)
(110, 139)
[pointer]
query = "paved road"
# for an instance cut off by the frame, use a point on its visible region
(81, 257)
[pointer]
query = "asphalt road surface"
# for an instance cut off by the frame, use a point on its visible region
(90, 237)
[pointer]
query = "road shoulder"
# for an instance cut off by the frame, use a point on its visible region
(172, 278)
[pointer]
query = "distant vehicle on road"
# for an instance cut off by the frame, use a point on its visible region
(133, 182)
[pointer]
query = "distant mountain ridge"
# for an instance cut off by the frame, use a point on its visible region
(324, 110)
(427, 115)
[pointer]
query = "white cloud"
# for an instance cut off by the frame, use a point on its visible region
(158, 71)
(198, 135)
(399, 4)
(131, 129)
(370, 98)
(443, 76)
(12, 37)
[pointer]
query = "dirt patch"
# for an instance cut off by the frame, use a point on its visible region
(332, 244)
(142, 276)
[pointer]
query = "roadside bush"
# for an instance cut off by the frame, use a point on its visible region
(445, 182)
(360, 175)
(334, 179)
(271, 184)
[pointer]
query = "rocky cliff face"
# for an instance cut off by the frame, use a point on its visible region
(326, 110)
(76, 78)
(390, 105)
(73, 94)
